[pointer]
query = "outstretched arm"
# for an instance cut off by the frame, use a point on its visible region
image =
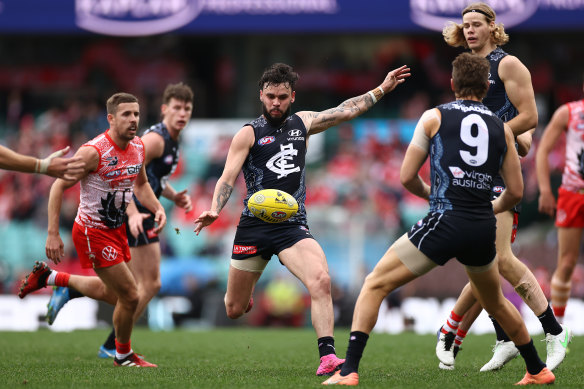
(557, 125)
(53, 165)
(238, 151)
(316, 122)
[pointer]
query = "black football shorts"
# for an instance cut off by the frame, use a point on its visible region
(266, 239)
(442, 235)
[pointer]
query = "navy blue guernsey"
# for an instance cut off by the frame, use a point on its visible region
(496, 99)
(161, 168)
(465, 155)
(276, 161)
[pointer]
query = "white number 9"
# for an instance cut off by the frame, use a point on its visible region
(480, 141)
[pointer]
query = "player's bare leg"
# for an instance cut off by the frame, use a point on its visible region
(93, 287)
(487, 289)
(569, 240)
(120, 280)
(240, 284)
(145, 266)
(306, 260)
(389, 274)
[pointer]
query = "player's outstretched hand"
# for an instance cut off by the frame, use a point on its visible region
(66, 168)
(135, 223)
(204, 220)
(395, 77)
(160, 220)
(54, 248)
(183, 200)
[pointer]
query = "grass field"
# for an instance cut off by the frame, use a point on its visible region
(254, 358)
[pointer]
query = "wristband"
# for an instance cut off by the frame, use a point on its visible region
(372, 97)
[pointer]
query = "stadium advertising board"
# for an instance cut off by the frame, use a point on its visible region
(150, 17)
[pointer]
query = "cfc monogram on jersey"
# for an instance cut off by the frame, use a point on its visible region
(276, 161)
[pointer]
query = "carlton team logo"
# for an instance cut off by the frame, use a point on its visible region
(109, 253)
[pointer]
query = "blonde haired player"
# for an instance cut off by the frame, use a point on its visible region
(460, 136)
(511, 98)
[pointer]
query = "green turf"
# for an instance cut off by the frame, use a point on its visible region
(253, 358)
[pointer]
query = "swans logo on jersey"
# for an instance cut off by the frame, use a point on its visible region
(135, 17)
(279, 162)
(498, 189)
(109, 253)
(456, 171)
(266, 140)
(434, 14)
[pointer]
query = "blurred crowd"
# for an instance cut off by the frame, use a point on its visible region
(53, 94)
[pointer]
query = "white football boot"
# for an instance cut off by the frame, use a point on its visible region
(556, 346)
(444, 349)
(503, 352)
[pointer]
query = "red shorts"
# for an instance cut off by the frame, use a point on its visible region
(101, 248)
(570, 209)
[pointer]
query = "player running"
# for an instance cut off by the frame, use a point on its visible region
(271, 151)
(161, 142)
(114, 171)
(569, 119)
(467, 146)
(511, 98)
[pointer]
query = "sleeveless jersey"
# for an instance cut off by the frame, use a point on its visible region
(160, 169)
(496, 99)
(106, 192)
(465, 155)
(573, 176)
(276, 161)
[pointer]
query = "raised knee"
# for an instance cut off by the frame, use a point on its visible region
(234, 310)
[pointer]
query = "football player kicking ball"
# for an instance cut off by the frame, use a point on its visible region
(161, 142)
(114, 170)
(461, 135)
(271, 151)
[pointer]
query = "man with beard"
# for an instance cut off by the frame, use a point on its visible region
(114, 171)
(161, 143)
(271, 151)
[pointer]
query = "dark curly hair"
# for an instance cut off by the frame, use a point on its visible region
(278, 73)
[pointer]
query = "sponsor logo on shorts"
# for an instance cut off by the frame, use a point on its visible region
(303, 228)
(237, 249)
(498, 189)
(151, 234)
(266, 140)
(109, 253)
(168, 159)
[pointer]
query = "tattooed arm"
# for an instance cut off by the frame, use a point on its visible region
(316, 122)
(238, 151)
